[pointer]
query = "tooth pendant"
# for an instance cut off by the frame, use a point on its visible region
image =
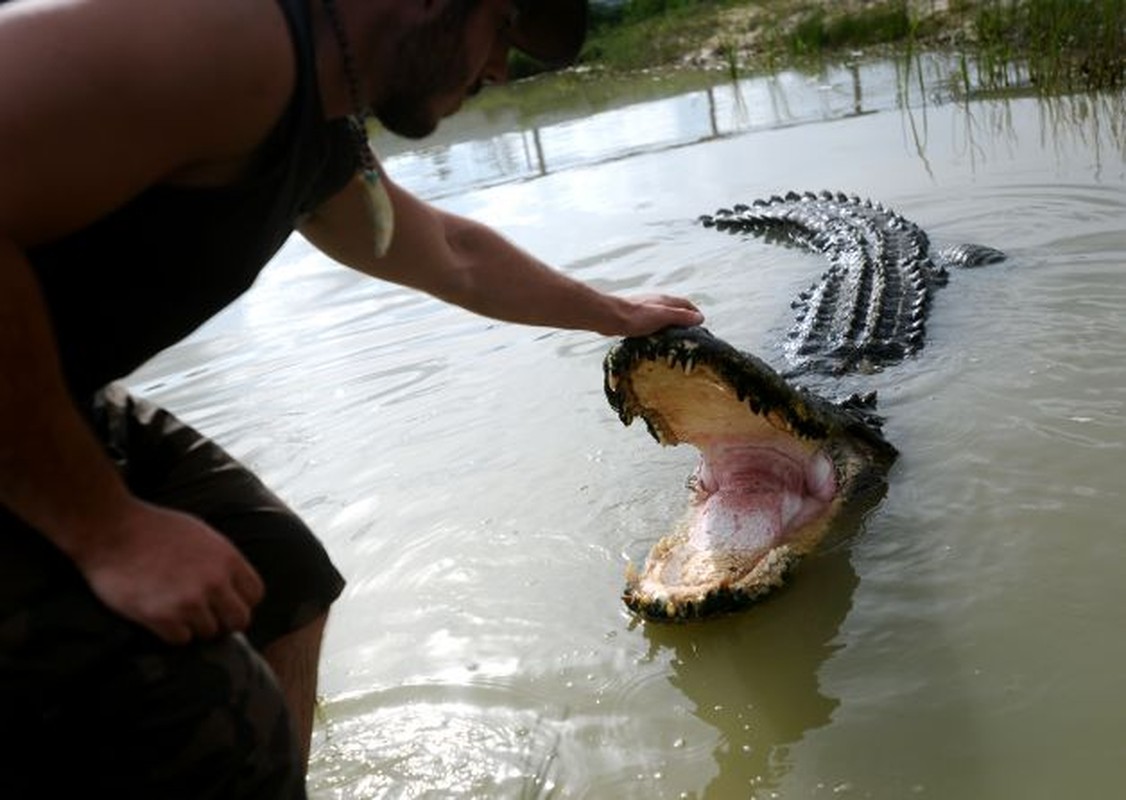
(379, 209)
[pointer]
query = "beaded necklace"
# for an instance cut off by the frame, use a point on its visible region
(379, 208)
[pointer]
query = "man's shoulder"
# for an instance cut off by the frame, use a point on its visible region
(153, 88)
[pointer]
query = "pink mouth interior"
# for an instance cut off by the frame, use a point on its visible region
(752, 497)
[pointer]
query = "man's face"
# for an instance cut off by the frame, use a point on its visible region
(443, 61)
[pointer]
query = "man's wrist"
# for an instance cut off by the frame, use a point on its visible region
(71, 495)
(614, 315)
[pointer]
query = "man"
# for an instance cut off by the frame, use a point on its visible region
(160, 610)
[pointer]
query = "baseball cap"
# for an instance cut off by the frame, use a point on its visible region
(551, 31)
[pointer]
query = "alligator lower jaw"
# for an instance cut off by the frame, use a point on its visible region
(728, 584)
(756, 510)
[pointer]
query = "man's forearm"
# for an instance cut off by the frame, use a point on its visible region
(458, 260)
(53, 472)
(473, 266)
(495, 278)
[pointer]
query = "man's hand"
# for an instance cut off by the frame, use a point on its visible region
(162, 569)
(649, 313)
(172, 574)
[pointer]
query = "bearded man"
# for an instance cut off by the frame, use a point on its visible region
(161, 611)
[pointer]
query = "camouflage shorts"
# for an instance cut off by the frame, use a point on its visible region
(92, 703)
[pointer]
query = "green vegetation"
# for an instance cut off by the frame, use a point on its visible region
(817, 32)
(650, 33)
(1054, 45)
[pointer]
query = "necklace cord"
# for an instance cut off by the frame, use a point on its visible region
(380, 210)
(358, 119)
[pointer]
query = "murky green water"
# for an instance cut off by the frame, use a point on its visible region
(483, 500)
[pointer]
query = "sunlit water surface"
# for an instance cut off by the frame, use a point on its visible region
(471, 482)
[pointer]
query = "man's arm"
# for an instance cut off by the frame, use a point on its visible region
(469, 264)
(100, 99)
(160, 568)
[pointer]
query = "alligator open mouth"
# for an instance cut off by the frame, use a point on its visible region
(777, 462)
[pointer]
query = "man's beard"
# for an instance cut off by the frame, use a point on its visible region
(431, 63)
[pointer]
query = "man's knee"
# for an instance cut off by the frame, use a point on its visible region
(237, 739)
(202, 721)
(217, 723)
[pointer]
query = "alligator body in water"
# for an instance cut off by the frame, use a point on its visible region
(779, 463)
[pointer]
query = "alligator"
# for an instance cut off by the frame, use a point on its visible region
(780, 463)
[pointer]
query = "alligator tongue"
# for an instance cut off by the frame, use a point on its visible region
(749, 497)
(729, 521)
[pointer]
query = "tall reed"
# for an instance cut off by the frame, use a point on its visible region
(1063, 45)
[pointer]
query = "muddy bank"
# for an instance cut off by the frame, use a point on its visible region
(761, 35)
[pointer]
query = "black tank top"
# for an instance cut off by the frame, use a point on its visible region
(142, 278)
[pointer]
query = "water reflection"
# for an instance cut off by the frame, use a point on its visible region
(1093, 124)
(754, 676)
(489, 152)
(454, 740)
(479, 150)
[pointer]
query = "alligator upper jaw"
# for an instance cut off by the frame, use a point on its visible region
(777, 463)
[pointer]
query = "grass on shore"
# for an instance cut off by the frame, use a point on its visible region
(1053, 45)
(1062, 44)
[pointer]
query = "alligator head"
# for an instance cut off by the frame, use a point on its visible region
(778, 465)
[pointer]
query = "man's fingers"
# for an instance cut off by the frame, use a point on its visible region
(171, 631)
(230, 615)
(661, 310)
(684, 309)
(249, 585)
(689, 316)
(205, 624)
(677, 302)
(654, 312)
(223, 609)
(233, 614)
